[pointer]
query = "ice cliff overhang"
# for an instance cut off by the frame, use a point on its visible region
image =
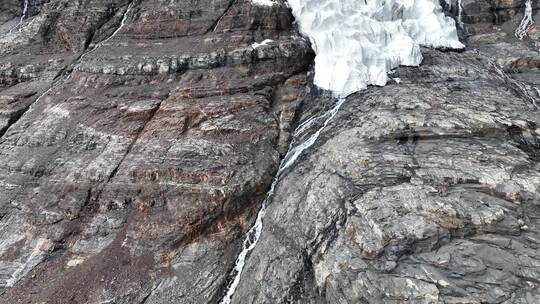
(357, 42)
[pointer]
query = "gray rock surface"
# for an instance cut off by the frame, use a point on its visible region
(133, 158)
(138, 139)
(436, 199)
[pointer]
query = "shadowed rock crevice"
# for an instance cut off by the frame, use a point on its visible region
(214, 25)
(65, 72)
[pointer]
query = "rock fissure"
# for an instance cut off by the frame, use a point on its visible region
(61, 76)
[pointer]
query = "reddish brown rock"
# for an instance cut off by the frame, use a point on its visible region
(150, 151)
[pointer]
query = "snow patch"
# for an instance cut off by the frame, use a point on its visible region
(263, 2)
(74, 262)
(263, 43)
(357, 42)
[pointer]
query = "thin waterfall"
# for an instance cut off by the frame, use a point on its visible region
(25, 11)
(344, 65)
(23, 16)
(526, 22)
(460, 13)
(11, 282)
(254, 233)
(122, 23)
(100, 44)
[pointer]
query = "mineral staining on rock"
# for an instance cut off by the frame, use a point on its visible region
(135, 178)
(358, 42)
(129, 173)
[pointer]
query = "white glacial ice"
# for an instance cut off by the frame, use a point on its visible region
(357, 42)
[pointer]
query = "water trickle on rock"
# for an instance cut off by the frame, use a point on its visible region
(295, 151)
(356, 44)
(526, 22)
(118, 29)
(460, 13)
(87, 52)
(23, 16)
(25, 11)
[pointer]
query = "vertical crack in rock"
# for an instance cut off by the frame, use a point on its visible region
(66, 72)
(214, 26)
(133, 142)
(147, 297)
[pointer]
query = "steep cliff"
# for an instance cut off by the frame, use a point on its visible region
(138, 139)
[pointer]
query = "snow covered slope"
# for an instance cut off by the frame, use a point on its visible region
(358, 42)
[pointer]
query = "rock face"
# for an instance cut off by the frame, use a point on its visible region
(435, 201)
(138, 138)
(137, 141)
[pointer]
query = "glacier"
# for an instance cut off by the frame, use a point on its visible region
(357, 42)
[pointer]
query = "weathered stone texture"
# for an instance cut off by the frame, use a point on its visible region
(138, 139)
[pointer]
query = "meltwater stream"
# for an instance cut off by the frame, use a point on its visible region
(23, 16)
(356, 42)
(94, 48)
(460, 13)
(526, 22)
(251, 238)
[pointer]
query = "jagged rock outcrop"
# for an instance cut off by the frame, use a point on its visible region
(435, 201)
(426, 191)
(138, 139)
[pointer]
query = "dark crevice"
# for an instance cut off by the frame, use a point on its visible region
(12, 120)
(294, 124)
(145, 299)
(304, 288)
(133, 142)
(58, 79)
(92, 202)
(214, 25)
(526, 141)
